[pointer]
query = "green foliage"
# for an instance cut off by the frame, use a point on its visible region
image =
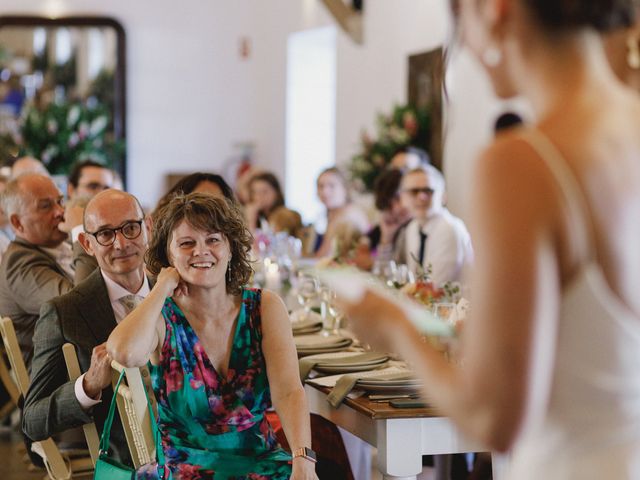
(64, 133)
(405, 126)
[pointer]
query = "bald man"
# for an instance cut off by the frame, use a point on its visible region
(28, 165)
(116, 234)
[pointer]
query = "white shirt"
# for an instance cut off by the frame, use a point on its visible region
(115, 292)
(447, 248)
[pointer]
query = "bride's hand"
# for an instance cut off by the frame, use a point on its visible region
(170, 280)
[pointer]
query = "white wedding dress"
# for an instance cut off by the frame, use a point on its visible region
(590, 428)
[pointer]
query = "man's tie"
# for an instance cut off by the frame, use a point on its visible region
(130, 302)
(423, 241)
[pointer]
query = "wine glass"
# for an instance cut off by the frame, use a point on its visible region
(329, 311)
(307, 290)
(402, 276)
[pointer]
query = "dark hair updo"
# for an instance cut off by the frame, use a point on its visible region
(603, 15)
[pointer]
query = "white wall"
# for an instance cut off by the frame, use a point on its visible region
(191, 97)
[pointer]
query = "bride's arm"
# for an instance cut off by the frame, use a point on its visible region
(509, 342)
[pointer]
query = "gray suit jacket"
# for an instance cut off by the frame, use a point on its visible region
(83, 317)
(29, 277)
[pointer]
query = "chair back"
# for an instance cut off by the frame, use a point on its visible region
(90, 431)
(9, 384)
(132, 406)
(59, 467)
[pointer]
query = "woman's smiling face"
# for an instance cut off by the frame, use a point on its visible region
(200, 257)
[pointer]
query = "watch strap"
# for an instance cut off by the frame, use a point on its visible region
(306, 453)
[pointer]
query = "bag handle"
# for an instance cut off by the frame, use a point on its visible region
(106, 431)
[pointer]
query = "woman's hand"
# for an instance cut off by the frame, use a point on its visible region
(169, 279)
(303, 469)
(376, 321)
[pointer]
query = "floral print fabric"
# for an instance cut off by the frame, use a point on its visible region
(213, 426)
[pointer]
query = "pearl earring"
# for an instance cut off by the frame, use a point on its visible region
(492, 56)
(633, 54)
(229, 270)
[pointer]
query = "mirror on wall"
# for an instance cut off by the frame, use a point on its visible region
(62, 91)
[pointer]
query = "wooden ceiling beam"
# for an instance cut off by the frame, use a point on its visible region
(349, 19)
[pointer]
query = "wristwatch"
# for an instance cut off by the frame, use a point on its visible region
(305, 452)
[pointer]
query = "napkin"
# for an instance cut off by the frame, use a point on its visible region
(346, 383)
(308, 363)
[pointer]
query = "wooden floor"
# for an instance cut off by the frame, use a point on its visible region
(13, 457)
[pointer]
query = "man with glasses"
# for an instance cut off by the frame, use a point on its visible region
(87, 179)
(116, 234)
(434, 239)
(36, 267)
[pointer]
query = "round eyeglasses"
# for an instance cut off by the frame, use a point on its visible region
(107, 236)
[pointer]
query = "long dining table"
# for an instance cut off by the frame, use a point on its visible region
(401, 435)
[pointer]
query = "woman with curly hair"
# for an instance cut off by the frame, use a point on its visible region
(219, 352)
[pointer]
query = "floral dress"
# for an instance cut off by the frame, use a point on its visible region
(214, 427)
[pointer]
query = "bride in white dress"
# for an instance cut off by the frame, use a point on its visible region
(552, 351)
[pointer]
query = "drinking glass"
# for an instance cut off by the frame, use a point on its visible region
(402, 276)
(307, 288)
(331, 316)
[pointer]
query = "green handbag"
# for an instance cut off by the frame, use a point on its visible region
(109, 469)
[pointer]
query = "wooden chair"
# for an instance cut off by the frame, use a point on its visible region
(132, 406)
(9, 384)
(59, 466)
(90, 431)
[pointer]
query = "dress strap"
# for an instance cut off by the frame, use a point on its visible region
(569, 186)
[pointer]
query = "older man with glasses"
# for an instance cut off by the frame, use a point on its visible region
(116, 234)
(434, 239)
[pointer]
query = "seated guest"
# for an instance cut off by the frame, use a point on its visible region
(6, 233)
(116, 235)
(266, 208)
(87, 178)
(408, 158)
(28, 165)
(220, 352)
(333, 192)
(434, 239)
(37, 265)
(393, 214)
(200, 182)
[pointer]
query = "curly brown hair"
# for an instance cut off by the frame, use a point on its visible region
(210, 214)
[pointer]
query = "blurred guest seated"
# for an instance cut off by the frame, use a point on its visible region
(28, 165)
(266, 208)
(219, 351)
(87, 178)
(116, 235)
(434, 240)
(393, 214)
(333, 191)
(37, 265)
(6, 233)
(408, 158)
(200, 182)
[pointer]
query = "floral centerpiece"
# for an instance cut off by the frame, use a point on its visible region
(61, 134)
(405, 126)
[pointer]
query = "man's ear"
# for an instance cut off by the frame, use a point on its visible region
(148, 223)
(70, 190)
(83, 238)
(16, 223)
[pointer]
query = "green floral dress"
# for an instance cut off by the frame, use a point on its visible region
(214, 426)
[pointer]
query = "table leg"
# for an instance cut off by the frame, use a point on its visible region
(399, 448)
(442, 465)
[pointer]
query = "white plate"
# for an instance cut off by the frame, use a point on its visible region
(351, 368)
(389, 388)
(319, 341)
